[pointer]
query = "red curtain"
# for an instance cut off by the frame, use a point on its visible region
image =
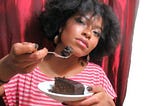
(14, 27)
(119, 63)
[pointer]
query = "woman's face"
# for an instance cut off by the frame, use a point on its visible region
(82, 33)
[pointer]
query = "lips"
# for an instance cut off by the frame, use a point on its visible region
(82, 42)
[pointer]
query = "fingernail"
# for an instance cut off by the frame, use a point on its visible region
(89, 88)
(36, 46)
(64, 104)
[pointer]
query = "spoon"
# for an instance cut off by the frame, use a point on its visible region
(60, 56)
(65, 53)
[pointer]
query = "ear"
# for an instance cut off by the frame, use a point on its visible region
(55, 40)
(60, 30)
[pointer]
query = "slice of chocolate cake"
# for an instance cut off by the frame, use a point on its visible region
(67, 86)
(66, 51)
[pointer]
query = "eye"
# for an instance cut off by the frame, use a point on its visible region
(80, 20)
(97, 33)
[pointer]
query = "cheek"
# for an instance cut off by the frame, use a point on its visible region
(93, 43)
(69, 34)
(71, 31)
(75, 30)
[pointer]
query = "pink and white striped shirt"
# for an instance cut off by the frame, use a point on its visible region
(22, 89)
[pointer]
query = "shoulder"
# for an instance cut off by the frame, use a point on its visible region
(94, 67)
(23, 77)
(94, 70)
(100, 78)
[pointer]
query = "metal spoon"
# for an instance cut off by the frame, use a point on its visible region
(60, 56)
(65, 53)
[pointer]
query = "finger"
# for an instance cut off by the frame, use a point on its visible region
(22, 48)
(28, 59)
(96, 89)
(99, 94)
(72, 103)
(40, 54)
(94, 99)
(20, 62)
(86, 102)
(23, 65)
(99, 89)
(37, 55)
(90, 101)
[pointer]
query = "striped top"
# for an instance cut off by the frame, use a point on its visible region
(22, 89)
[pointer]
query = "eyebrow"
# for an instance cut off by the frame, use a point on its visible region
(88, 18)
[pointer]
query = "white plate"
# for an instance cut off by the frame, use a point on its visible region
(46, 86)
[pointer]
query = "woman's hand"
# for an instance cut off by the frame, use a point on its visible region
(100, 98)
(22, 58)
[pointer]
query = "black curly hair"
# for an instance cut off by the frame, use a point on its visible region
(57, 12)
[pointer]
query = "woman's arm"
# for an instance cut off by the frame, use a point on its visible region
(5, 70)
(1, 90)
(23, 58)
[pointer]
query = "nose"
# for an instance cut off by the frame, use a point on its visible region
(87, 33)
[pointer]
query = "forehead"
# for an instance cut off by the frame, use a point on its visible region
(94, 19)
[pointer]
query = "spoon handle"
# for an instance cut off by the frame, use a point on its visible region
(58, 55)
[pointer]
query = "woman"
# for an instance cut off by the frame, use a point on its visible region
(89, 28)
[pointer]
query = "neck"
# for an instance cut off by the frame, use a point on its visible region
(53, 66)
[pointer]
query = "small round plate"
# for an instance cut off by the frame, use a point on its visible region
(47, 85)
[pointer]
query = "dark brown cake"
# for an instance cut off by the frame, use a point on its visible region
(67, 86)
(66, 51)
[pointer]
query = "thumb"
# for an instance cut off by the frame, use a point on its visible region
(95, 89)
